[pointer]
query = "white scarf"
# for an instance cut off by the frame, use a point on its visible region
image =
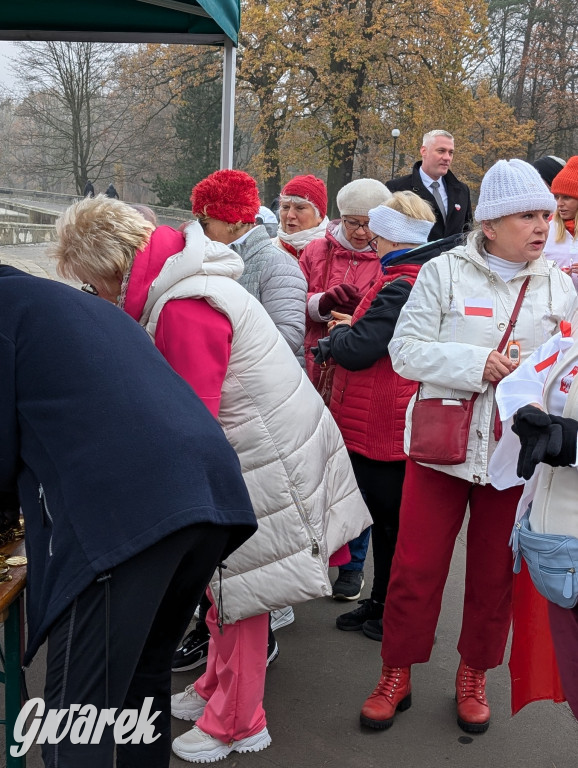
(339, 235)
(298, 240)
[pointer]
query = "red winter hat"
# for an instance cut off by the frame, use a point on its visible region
(311, 189)
(230, 196)
(566, 181)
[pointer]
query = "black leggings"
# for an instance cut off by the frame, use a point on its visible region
(381, 483)
(114, 644)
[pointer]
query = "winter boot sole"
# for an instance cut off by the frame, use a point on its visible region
(382, 725)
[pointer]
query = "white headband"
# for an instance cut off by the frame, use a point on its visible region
(397, 227)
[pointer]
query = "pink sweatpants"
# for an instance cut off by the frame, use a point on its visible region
(234, 682)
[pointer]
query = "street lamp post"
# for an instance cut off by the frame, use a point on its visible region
(395, 133)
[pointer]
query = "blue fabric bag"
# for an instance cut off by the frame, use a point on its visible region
(552, 560)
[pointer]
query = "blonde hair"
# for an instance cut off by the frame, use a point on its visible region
(560, 227)
(98, 238)
(411, 205)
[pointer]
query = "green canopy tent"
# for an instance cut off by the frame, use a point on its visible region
(190, 22)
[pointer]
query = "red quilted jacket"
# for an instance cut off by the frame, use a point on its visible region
(369, 405)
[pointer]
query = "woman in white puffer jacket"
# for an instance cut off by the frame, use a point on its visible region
(447, 338)
(182, 288)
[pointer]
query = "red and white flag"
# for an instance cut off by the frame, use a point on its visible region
(479, 307)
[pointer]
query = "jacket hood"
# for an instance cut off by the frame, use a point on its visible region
(330, 233)
(170, 257)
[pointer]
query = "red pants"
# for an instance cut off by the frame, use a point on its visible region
(433, 508)
(234, 682)
(564, 629)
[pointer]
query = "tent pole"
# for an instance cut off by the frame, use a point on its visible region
(228, 104)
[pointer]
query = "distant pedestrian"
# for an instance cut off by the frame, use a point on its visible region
(111, 191)
(88, 189)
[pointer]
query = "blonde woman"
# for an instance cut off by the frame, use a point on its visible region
(562, 242)
(182, 288)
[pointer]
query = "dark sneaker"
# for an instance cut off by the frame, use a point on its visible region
(193, 651)
(272, 647)
(354, 620)
(373, 628)
(348, 585)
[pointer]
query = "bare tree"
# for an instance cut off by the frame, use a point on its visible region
(76, 122)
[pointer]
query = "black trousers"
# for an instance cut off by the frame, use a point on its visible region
(380, 483)
(114, 645)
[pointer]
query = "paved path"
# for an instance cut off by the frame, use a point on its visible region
(322, 676)
(30, 257)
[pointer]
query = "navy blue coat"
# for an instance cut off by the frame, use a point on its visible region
(107, 447)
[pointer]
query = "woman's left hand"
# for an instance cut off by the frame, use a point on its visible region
(340, 319)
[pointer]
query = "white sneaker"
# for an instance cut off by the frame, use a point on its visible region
(196, 746)
(187, 705)
(282, 618)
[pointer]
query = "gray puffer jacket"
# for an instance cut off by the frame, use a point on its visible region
(274, 278)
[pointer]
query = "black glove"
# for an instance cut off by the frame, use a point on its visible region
(539, 437)
(322, 352)
(567, 453)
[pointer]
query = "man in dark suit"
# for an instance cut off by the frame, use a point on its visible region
(433, 181)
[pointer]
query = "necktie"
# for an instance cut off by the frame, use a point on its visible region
(435, 185)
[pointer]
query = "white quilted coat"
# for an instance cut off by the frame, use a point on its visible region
(437, 343)
(294, 462)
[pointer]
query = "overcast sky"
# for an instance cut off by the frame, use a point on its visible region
(7, 50)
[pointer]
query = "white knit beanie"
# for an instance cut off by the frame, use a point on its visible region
(397, 227)
(512, 186)
(357, 197)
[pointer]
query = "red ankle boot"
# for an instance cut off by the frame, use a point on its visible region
(473, 707)
(393, 693)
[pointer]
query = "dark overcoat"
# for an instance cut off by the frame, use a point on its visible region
(459, 214)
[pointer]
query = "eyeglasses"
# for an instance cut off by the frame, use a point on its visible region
(352, 225)
(373, 243)
(88, 288)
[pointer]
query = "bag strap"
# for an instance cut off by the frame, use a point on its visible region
(511, 324)
(514, 316)
(502, 344)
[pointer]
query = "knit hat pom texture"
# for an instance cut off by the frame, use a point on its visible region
(230, 196)
(512, 186)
